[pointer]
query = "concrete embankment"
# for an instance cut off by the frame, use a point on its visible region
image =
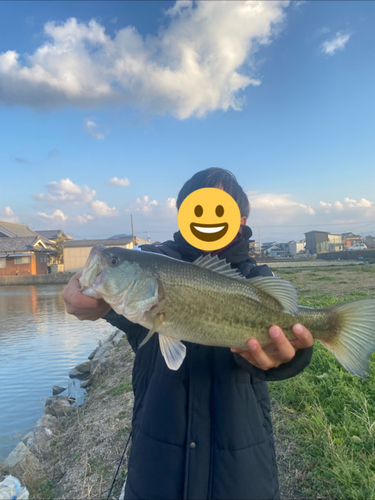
(37, 279)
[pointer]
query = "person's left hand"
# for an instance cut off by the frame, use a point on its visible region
(281, 350)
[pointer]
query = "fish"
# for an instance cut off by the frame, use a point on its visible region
(208, 302)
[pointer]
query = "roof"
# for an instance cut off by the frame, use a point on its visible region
(323, 232)
(52, 234)
(28, 244)
(15, 230)
(91, 243)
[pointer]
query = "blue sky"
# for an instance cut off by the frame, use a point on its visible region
(106, 108)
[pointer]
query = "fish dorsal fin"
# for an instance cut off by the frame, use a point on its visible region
(281, 290)
(218, 265)
(173, 351)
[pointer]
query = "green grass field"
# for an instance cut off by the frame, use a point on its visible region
(324, 418)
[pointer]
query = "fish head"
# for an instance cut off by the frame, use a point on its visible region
(109, 272)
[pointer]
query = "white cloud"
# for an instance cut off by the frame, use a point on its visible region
(101, 209)
(115, 181)
(65, 191)
(338, 42)
(198, 62)
(57, 216)
(7, 215)
(280, 205)
(92, 128)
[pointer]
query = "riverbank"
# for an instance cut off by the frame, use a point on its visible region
(73, 452)
(36, 279)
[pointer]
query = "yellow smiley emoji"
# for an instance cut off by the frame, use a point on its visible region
(209, 219)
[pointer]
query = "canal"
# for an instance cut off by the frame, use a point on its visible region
(39, 344)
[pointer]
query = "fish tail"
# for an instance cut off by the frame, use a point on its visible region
(354, 343)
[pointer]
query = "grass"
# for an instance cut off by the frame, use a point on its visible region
(120, 389)
(326, 418)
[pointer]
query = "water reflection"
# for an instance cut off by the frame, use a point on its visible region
(39, 344)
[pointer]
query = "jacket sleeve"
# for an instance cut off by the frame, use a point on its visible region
(134, 332)
(285, 370)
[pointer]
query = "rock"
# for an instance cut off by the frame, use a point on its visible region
(81, 371)
(57, 389)
(99, 362)
(86, 383)
(91, 356)
(84, 367)
(119, 335)
(102, 350)
(42, 434)
(57, 406)
(20, 460)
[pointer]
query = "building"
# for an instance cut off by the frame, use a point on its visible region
(369, 241)
(313, 239)
(10, 230)
(53, 234)
(276, 250)
(77, 251)
(296, 247)
(350, 239)
(23, 255)
(23, 251)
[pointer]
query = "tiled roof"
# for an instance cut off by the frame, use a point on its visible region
(91, 243)
(16, 230)
(19, 244)
(52, 233)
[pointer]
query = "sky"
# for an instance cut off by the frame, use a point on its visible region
(107, 108)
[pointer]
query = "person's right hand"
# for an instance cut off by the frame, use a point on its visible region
(80, 305)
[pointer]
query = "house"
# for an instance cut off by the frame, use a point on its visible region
(53, 234)
(276, 250)
(23, 255)
(296, 247)
(350, 239)
(323, 242)
(77, 251)
(10, 230)
(313, 239)
(369, 241)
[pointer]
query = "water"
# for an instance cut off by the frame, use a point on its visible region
(39, 344)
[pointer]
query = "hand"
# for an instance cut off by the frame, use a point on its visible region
(80, 305)
(281, 350)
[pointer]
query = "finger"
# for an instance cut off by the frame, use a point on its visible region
(285, 349)
(259, 357)
(304, 337)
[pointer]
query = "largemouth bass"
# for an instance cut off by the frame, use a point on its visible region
(209, 303)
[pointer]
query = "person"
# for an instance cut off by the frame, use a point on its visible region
(203, 431)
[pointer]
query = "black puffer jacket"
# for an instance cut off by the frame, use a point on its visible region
(203, 431)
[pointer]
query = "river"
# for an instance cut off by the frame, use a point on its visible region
(39, 344)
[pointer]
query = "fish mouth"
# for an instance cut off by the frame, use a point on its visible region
(209, 232)
(93, 274)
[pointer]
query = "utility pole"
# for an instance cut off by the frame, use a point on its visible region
(260, 241)
(133, 237)
(148, 237)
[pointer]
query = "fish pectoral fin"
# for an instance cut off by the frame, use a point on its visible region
(281, 290)
(173, 351)
(159, 320)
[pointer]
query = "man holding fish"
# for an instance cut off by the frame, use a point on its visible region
(201, 420)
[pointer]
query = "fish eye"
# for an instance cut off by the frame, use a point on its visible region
(113, 261)
(219, 210)
(198, 210)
